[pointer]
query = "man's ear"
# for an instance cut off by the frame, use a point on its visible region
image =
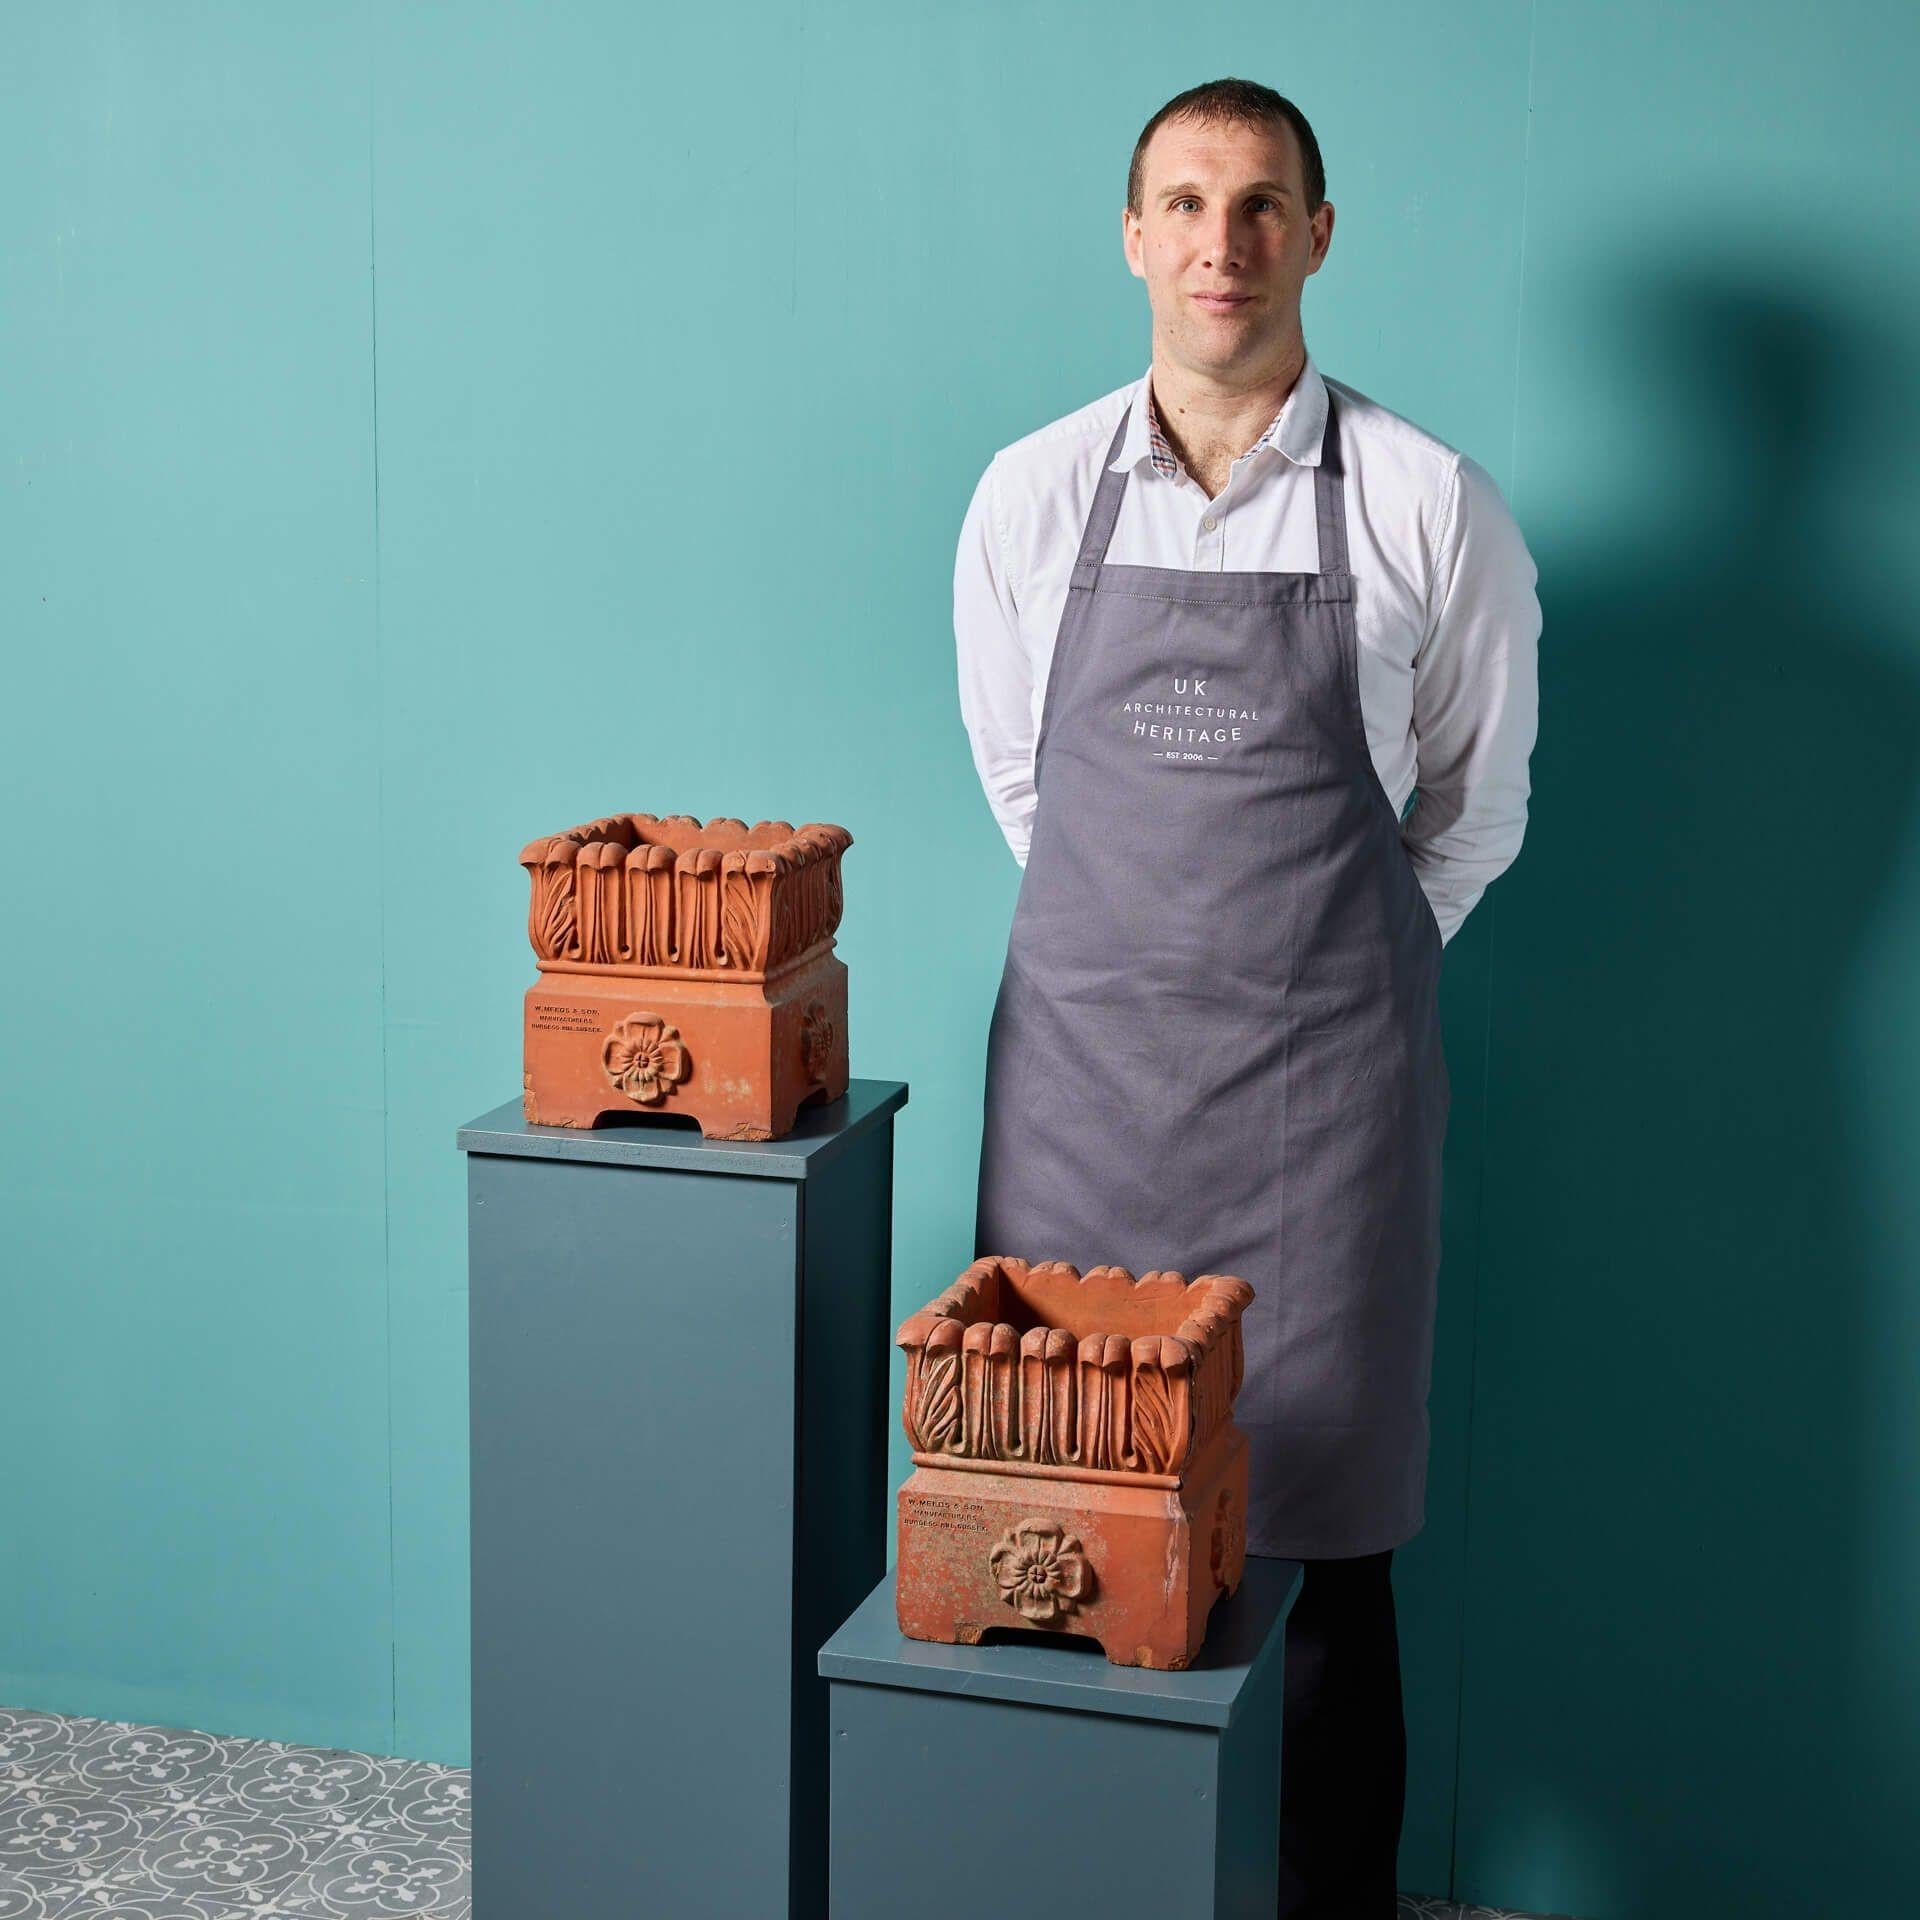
(1323, 218)
(1130, 243)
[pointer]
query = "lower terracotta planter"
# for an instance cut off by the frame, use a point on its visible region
(1076, 1466)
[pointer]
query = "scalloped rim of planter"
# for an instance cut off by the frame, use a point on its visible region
(777, 840)
(1207, 1305)
(789, 873)
(1073, 1401)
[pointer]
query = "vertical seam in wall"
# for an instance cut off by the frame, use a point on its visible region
(380, 882)
(1481, 1211)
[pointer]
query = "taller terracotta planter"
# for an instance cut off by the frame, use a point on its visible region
(685, 969)
(1076, 1465)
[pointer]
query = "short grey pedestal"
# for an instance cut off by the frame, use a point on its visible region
(679, 1423)
(1035, 1779)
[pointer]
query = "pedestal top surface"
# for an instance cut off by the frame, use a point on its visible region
(1247, 1630)
(820, 1133)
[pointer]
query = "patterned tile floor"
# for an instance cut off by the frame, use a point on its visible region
(104, 1821)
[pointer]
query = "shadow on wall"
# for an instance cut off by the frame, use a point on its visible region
(1683, 1675)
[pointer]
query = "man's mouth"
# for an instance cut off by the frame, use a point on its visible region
(1221, 302)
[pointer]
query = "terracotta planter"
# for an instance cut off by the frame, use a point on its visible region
(685, 970)
(1076, 1465)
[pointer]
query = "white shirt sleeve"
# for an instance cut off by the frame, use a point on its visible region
(996, 673)
(1475, 701)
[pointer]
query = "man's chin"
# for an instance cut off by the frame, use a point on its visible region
(1226, 349)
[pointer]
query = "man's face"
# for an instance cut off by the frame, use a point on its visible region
(1224, 244)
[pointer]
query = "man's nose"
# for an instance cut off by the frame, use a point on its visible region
(1223, 243)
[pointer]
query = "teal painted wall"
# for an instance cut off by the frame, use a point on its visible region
(430, 426)
(1692, 1679)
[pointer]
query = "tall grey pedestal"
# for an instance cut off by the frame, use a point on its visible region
(1024, 1778)
(679, 1415)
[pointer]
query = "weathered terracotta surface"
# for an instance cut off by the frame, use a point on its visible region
(685, 969)
(1076, 1465)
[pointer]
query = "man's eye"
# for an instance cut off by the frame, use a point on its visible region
(1261, 200)
(1189, 201)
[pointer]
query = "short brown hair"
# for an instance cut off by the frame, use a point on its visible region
(1239, 103)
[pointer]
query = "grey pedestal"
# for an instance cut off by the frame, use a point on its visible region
(1021, 1778)
(679, 1415)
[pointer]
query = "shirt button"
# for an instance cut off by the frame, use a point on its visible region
(1209, 523)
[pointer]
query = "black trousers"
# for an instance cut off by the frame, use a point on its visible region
(1343, 1745)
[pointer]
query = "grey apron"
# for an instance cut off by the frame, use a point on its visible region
(1216, 1045)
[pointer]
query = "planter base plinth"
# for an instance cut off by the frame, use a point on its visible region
(741, 1058)
(1133, 1565)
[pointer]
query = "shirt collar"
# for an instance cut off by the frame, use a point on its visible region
(1296, 430)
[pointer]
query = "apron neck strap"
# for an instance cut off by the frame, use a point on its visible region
(1106, 506)
(1329, 501)
(1330, 495)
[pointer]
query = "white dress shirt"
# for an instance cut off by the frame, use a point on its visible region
(1448, 622)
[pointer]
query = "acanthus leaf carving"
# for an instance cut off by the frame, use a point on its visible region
(1050, 1396)
(636, 889)
(550, 919)
(938, 1413)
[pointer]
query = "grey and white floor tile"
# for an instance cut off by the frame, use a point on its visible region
(313, 1783)
(52, 1838)
(167, 1764)
(385, 1877)
(38, 1746)
(213, 1864)
(433, 1803)
(104, 1821)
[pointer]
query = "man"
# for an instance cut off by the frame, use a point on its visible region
(1217, 631)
